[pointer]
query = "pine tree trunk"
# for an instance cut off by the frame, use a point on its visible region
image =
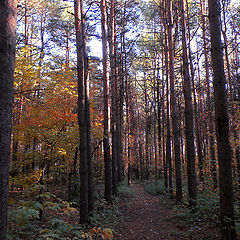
(87, 114)
(113, 96)
(174, 115)
(209, 107)
(81, 74)
(8, 16)
(167, 177)
(222, 125)
(190, 148)
(106, 146)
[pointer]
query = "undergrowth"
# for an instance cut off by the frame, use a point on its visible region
(60, 218)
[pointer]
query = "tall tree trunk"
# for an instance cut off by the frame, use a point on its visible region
(224, 33)
(81, 74)
(106, 146)
(174, 114)
(222, 125)
(192, 189)
(113, 96)
(209, 107)
(120, 111)
(168, 143)
(168, 138)
(119, 124)
(89, 151)
(8, 13)
(160, 128)
(147, 133)
(197, 131)
(154, 121)
(87, 114)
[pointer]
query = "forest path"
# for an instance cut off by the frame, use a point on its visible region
(146, 217)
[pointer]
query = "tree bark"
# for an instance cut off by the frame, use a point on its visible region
(81, 74)
(196, 121)
(106, 147)
(187, 90)
(173, 102)
(222, 125)
(113, 96)
(8, 19)
(209, 107)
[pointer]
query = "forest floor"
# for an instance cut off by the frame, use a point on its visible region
(151, 217)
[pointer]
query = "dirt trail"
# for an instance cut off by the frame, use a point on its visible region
(147, 218)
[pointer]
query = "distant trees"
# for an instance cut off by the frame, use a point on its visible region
(8, 19)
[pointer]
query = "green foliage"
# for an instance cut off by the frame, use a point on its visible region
(60, 218)
(104, 215)
(57, 223)
(155, 188)
(204, 214)
(125, 191)
(22, 216)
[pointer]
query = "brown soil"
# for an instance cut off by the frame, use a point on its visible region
(147, 217)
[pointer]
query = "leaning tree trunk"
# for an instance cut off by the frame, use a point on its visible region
(8, 16)
(222, 125)
(81, 110)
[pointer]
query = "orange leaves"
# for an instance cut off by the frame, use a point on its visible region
(106, 233)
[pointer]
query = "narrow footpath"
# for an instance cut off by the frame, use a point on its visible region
(147, 218)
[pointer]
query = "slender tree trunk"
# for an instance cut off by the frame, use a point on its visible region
(154, 121)
(209, 108)
(106, 146)
(224, 33)
(192, 188)
(159, 117)
(222, 125)
(168, 143)
(174, 114)
(167, 164)
(113, 96)
(8, 19)
(198, 139)
(120, 113)
(119, 127)
(146, 134)
(81, 68)
(87, 113)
